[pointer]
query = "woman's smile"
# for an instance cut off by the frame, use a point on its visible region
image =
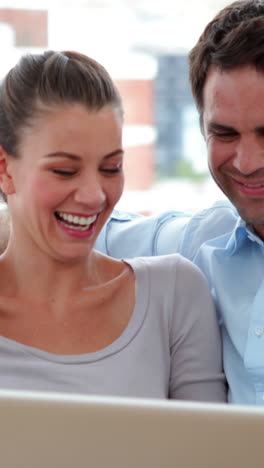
(80, 226)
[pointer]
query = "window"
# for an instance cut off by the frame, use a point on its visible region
(144, 45)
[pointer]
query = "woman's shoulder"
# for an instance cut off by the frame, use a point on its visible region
(162, 263)
(173, 276)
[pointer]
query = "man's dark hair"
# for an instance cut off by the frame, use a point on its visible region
(235, 37)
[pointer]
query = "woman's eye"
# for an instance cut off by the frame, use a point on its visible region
(63, 172)
(113, 170)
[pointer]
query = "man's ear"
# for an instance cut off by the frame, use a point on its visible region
(6, 181)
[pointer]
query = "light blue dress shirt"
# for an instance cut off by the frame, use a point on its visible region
(231, 256)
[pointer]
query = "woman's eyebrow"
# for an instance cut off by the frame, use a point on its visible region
(62, 154)
(75, 157)
(117, 152)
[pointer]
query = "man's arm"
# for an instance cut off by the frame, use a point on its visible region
(128, 235)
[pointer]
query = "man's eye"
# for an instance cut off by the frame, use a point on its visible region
(64, 172)
(227, 136)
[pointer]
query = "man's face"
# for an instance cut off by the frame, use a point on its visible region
(233, 121)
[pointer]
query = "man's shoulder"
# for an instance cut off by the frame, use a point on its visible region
(206, 225)
(219, 218)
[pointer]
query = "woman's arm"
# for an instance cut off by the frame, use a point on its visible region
(196, 353)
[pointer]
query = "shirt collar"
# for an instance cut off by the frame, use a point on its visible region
(242, 233)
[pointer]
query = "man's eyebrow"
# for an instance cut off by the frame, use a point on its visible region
(75, 157)
(213, 126)
(221, 128)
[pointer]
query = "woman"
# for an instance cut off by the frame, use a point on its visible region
(72, 319)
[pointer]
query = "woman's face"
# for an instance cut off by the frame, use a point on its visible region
(67, 179)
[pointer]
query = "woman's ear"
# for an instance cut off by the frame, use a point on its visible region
(6, 181)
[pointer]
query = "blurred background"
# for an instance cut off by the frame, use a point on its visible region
(144, 45)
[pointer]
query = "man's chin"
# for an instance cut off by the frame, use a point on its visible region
(251, 216)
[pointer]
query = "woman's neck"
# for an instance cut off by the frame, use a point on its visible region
(34, 273)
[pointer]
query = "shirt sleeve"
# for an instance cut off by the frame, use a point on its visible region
(196, 353)
(128, 235)
(171, 234)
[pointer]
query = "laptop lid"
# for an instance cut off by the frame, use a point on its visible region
(42, 430)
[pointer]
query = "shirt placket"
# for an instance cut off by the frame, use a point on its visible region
(254, 351)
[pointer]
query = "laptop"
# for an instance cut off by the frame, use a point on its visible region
(46, 430)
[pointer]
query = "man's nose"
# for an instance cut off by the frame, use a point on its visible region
(249, 154)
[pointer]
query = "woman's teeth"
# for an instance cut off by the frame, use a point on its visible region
(76, 222)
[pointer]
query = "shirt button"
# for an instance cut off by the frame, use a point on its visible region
(259, 331)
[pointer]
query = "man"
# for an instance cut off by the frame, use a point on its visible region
(225, 241)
